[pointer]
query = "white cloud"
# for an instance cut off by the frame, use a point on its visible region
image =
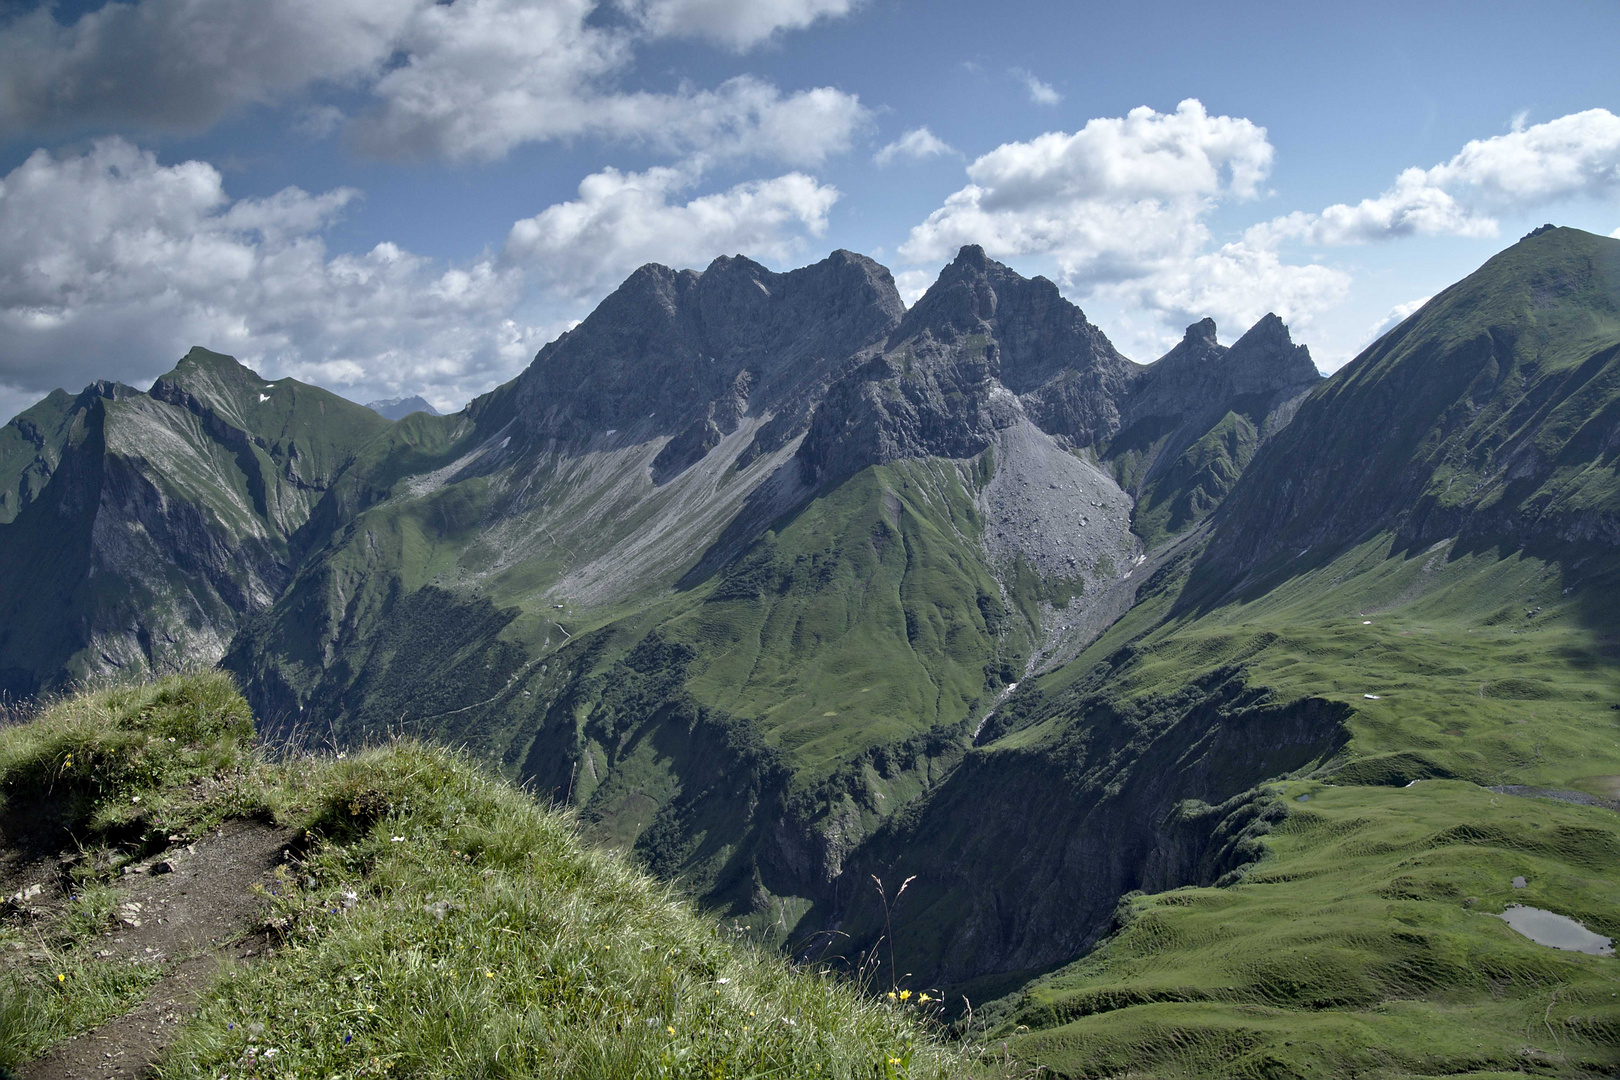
(484, 76)
(1039, 92)
(1616, 234)
(1574, 155)
(739, 24)
(1118, 209)
(470, 79)
(182, 64)
(1236, 284)
(112, 264)
(1109, 201)
(1578, 154)
(1397, 315)
(916, 144)
(913, 283)
(623, 220)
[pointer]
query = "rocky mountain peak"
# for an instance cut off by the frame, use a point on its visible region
(1034, 333)
(400, 407)
(1266, 361)
(1201, 332)
(212, 384)
(688, 354)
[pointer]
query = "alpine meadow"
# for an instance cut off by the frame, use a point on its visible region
(705, 665)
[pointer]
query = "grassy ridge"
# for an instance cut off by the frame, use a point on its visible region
(435, 921)
(1362, 943)
(1363, 946)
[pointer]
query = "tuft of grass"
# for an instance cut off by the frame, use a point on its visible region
(126, 758)
(56, 995)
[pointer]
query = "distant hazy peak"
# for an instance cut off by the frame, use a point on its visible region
(400, 407)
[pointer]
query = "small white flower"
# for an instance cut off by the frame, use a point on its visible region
(396, 839)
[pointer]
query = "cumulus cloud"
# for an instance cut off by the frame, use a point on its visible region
(1397, 315)
(621, 220)
(180, 65)
(114, 264)
(1415, 205)
(1040, 93)
(472, 79)
(1574, 155)
(916, 144)
(1119, 209)
(1237, 284)
(913, 283)
(1616, 234)
(739, 24)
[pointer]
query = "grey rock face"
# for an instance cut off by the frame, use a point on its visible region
(1263, 375)
(686, 354)
(1063, 515)
(939, 385)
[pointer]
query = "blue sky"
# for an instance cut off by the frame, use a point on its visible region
(390, 197)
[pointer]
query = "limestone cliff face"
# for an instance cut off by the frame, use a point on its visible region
(983, 347)
(687, 355)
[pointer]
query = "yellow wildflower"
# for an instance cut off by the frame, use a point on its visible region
(671, 1030)
(905, 995)
(890, 995)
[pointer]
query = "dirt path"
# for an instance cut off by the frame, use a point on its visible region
(193, 904)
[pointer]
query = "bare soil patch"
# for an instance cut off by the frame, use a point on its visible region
(193, 906)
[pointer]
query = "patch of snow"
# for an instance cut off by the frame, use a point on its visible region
(1371, 697)
(263, 398)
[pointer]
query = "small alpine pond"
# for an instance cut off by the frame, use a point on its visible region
(1559, 931)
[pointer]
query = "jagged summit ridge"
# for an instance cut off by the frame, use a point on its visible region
(675, 352)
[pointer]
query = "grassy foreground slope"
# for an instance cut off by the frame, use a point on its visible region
(431, 920)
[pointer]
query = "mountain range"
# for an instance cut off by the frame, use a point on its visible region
(1129, 669)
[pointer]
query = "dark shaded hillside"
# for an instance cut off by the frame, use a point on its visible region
(1493, 414)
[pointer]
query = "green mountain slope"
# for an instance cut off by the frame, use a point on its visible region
(32, 444)
(164, 518)
(1479, 666)
(1491, 414)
